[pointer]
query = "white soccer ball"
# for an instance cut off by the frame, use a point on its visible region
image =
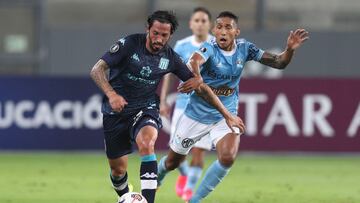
(132, 197)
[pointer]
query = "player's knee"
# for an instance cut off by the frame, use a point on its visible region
(118, 171)
(227, 159)
(171, 164)
(146, 142)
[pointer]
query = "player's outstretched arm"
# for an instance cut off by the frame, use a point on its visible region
(165, 89)
(98, 74)
(208, 95)
(295, 40)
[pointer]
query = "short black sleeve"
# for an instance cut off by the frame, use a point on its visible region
(180, 69)
(118, 52)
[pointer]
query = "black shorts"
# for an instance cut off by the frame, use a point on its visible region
(120, 131)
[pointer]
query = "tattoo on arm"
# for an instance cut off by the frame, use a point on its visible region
(277, 61)
(99, 76)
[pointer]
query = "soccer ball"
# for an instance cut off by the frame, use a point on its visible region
(132, 197)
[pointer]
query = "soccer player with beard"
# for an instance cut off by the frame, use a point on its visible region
(130, 104)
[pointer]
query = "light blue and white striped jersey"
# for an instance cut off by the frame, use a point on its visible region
(185, 48)
(221, 71)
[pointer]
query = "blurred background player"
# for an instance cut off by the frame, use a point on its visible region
(200, 25)
(222, 62)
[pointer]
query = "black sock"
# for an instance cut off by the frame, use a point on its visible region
(120, 184)
(148, 177)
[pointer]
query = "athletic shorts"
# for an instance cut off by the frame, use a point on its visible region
(120, 131)
(204, 143)
(189, 131)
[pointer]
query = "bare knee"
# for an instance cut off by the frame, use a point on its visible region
(118, 170)
(172, 164)
(227, 159)
(146, 139)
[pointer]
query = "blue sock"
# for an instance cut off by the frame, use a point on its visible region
(162, 171)
(184, 168)
(213, 176)
(194, 174)
(148, 177)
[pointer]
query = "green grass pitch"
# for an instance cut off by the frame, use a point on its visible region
(83, 178)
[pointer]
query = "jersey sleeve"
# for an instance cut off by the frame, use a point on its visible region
(206, 51)
(180, 69)
(254, 53)
(117, 52)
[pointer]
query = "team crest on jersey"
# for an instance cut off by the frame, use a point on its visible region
(164, 63)
(114, 48)
(145, 71)
(239, 63)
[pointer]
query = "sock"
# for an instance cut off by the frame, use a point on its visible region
(120, 184)
(148, 177)
(162, 171)
(213, 176)
(184, 168)
(194, 174)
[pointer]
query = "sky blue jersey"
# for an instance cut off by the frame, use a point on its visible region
(221, 71)
(185, 48)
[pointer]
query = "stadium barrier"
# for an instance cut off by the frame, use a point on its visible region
(57, 113)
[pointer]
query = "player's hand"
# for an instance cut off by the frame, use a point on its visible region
(191, 84)
(296, 38)
(235, 122)
(165, 109)
(117, 102)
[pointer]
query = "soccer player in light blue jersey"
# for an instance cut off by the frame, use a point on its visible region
(200, 25)
(222, 62)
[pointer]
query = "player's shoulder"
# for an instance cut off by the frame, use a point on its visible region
(241, 42)
(184, 41)
(132, 38)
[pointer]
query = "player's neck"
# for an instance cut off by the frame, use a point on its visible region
(230, 47)
(200, 38)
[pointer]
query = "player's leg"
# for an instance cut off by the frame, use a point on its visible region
(184, 166)
(146, 131)
(227, 147)
(168, 163)
(117, 145)
(196, 166)
(118, 174)
(188, 132)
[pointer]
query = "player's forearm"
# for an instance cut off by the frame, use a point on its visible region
(279, 61)
(194, 66)
(165, 89)
(205, 92)
(98, 74)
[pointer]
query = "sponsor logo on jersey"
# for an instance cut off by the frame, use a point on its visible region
(135, 57)
(164, 63)
(223, 90)
(145, 71)
(122, 41)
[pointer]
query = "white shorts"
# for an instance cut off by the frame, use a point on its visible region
(188, 132)
(204, 143)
